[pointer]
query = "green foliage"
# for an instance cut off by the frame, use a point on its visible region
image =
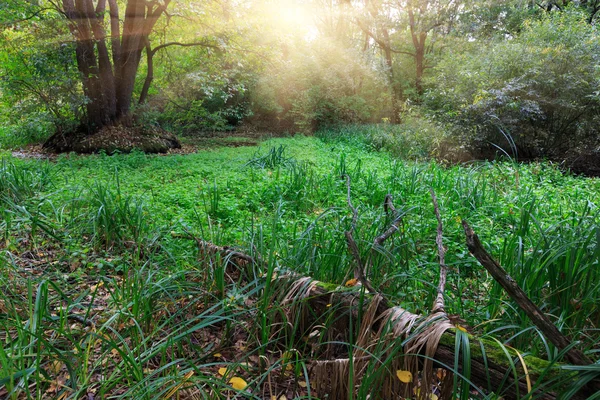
(207, 102)
(152, 299)
(538, 89)
(318, 85)
(39, 84)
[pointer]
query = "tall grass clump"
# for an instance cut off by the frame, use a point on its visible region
(115, 219)
(18, 183)
(275, 157)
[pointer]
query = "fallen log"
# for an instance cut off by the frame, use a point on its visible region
(310, 303)
(426, 342)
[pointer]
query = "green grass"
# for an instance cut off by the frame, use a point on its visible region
(91, 235)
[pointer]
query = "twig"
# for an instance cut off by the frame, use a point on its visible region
(81, 320)
(536, 315)
(359, 270)
(439, 304)
(388, 205)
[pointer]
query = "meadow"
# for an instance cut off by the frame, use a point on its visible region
(105, 295)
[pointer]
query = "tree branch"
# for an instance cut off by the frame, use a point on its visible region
(439, 304)
(204, 44)
(536, 315)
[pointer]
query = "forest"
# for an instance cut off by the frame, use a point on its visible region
(300, 199)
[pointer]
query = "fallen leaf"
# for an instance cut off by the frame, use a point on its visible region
(222, 371)
(238, 383)
(55, 367)
(351, 282)
(217, 355)
(302, 384)
(404, 376)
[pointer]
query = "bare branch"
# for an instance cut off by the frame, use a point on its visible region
(359, 270)
(511, 287)
(439, 304)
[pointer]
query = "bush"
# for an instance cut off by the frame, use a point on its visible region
(535, 95)
(415, 138)
(319, 86)
(206, 102)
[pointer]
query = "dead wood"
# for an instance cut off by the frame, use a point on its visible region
(438, 303)
(311, 303)
(534, 313)
(359, 270)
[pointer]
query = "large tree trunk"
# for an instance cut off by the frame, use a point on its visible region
(109, 83)
(108, 77)
(418, 39)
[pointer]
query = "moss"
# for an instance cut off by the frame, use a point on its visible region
(495, 354)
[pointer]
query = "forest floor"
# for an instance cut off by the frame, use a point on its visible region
(103, 295)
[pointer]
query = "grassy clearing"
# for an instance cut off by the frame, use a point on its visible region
(99, 297)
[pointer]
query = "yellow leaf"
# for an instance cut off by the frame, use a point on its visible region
(217, 355)
(351, 282)
(222, 371)
(461, 328)
(404, 376)
(55, 367)
(238, 383)
(433, 396)
(302, 384)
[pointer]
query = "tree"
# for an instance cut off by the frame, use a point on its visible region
(108, 78)
(376, 26)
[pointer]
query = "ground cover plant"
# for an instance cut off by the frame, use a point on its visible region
(104, 295)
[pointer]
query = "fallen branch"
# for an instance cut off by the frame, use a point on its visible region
(438, 303)
(359, 270)
(311, 303)
(536, 315)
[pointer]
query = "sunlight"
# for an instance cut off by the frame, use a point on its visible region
(292, 18)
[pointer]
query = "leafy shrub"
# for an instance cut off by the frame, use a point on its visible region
(535, 95)
(207, 102)
(40, 91)
(415, 138)
(318, 87)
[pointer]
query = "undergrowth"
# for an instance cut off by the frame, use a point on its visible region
(103, 296)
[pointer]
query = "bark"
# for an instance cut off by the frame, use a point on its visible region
(492, 373)
(381, 36)
(418, 39)
(518, 295)
(108, 79)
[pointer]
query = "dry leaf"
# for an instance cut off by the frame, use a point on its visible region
(351, 282)
(404, 376)
(238, 383)
(222, 371)
(302, 384)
